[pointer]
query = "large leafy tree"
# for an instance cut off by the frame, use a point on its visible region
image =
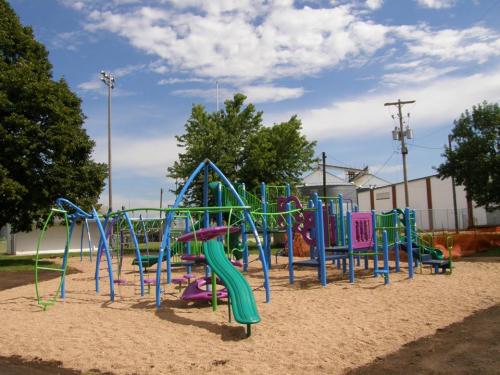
(44, 151)
(475, 161)
(236, 140)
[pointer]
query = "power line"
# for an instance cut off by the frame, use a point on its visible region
(425, 147)
(382, 167)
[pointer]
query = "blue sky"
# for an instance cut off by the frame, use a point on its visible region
(333, 63)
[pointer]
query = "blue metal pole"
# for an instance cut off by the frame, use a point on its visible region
(137, 251)
(321, 242)
(395, 224)
(108, 257)
(91, 246)
(316, 234)
(385, 245)
(409, 242)
(375, 243)
(81, 242)
(100, 247)
(166, 234)
(350, 247)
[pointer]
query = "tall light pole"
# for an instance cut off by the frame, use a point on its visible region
(399, 135)
(109, 81)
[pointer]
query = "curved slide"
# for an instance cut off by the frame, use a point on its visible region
(240, 293)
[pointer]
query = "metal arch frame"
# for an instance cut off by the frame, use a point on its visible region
(165, 245)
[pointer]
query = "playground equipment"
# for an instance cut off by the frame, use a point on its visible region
(71, 213)
(189, 238)
(206, 167)
(223, 272)
(332, 237)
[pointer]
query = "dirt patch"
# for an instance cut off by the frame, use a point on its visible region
(18, 278)
(467, 347)
(15, 365)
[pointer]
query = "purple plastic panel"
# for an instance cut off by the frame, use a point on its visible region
(304, 221)
(362, 230)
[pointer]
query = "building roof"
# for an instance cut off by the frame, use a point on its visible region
(315, 178)
(369, 180)
(360, 178)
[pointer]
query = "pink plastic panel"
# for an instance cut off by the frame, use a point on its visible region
(362, 230)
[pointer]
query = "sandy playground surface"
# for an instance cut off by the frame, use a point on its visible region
(305, 328)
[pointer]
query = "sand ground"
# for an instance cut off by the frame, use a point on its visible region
(306, 327)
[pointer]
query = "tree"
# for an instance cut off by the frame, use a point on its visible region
(475, 161)
(237, 142)
(44, 151)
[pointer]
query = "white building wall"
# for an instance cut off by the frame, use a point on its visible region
(442, 194)
(442, 203)
(383, 198)
(54, 240)
(364, 200)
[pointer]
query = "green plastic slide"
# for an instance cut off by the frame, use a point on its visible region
(240, 293)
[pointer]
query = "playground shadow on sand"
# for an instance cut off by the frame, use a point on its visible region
(167, 312)
(467, 347)
(16, 365)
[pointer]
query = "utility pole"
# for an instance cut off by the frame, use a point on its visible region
(455, 213)
(399, 135)
(109, 80)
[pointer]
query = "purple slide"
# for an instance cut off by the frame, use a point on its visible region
(205, 234)
(196, 291)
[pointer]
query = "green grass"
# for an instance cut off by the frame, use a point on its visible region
(10, 263)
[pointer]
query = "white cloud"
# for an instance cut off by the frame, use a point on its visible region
(127, 70)
(436, 4)
(374, 4)
(255, 94)
(417, 75)
(67, 40)
(210, 95)
(262, 94)
(437, 102)
(475, 44)
(92, 85)
(139, 156)
(245, 43)
(242, 42)
(173, 81)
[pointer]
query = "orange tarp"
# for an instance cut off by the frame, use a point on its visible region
(465, 243)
